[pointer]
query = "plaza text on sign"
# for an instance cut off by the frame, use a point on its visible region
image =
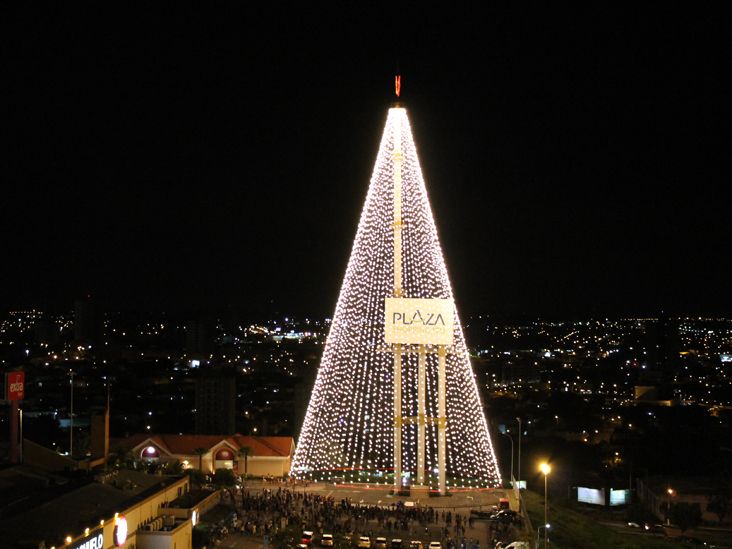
(418, 321)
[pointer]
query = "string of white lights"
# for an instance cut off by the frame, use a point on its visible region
(348, 430)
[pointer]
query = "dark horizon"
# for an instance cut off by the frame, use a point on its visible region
(578, 162)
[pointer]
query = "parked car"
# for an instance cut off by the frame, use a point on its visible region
(435, 545)
(307, 537)
(507, 516)
(655, 528)
(364, 542)
(416, 545)
(326, 540)
(396, 543)
(380, 543)
(482, 514)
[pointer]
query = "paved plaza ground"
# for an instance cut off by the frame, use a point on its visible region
(460, 502)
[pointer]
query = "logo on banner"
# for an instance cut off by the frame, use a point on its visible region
(92, 541)
(418, 321)
(15, 386)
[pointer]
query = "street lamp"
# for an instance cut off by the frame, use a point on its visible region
(20, 412)
(545, 468)
(511, 439)
(669, 492)
(545, 527)
(519, 452)
(71, 415)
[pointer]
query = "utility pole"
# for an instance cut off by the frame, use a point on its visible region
(545, 468)
(511, 439)
(519, 452)
(71, 416)
(20, 412)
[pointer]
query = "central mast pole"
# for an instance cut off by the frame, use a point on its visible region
(397, 158)
(441, 420)
(421, 413)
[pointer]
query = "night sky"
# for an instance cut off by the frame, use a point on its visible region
(578, 162)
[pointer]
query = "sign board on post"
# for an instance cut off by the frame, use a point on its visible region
(14, 385)
(418, 321)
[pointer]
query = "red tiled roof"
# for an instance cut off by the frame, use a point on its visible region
(266, 446)
(187, 444)
(134, 440)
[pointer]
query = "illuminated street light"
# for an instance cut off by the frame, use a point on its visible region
(541, 527)
(545, 468)
(669, 493)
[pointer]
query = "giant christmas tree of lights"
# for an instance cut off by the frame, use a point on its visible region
(356, 424)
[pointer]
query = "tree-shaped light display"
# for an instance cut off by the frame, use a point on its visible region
(349, 428)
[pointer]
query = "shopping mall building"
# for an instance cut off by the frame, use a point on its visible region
(126, 509)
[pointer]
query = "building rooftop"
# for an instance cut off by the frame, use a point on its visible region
(187, 444)
(70, 512)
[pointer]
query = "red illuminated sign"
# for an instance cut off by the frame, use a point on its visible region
(15, 385)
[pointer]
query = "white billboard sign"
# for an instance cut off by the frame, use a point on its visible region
(591, 495)
(418, 321)
(619, 497)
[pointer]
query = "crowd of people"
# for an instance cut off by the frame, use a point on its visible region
(272, 510)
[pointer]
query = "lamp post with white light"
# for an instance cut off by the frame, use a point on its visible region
(545, 468)
(545, 527)
(669, 492)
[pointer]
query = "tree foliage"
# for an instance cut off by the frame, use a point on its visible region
(122, 458)
(685, 515)
(721, 499)
(200, 452)
(224, 478)
(719, 505)
(173, 468)
(197, 477)
(245, 452)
